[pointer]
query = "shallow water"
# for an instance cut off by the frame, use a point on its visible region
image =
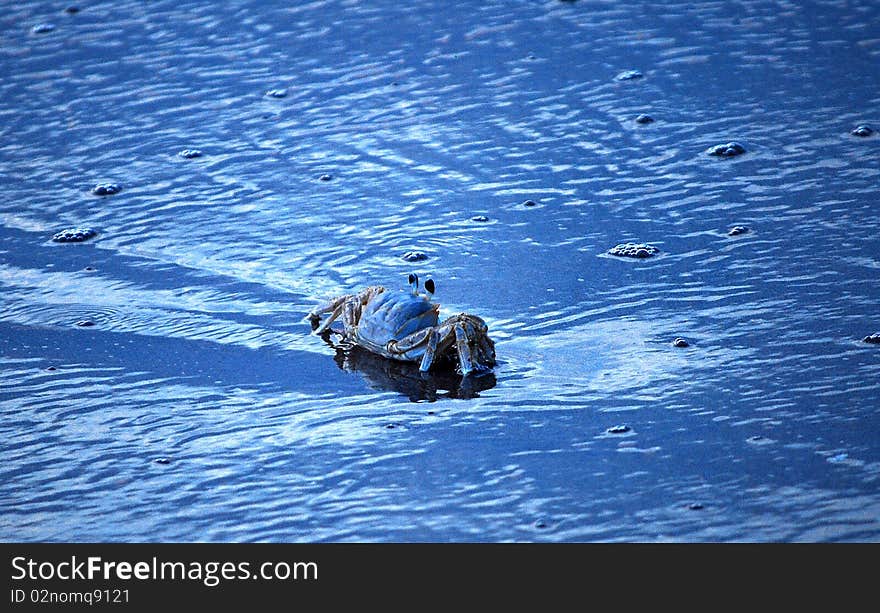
(764, 428)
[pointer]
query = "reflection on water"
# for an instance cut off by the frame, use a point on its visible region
(405, 378)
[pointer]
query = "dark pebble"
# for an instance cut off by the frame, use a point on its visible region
(106, 189)
(680, 342)
(862, 131)
(540, 524)
(633, 250)
(737, 230)
(42, 28)
(391, 426)
(325, 177)
(695, 506)
(188, 154)
(74, 235)
(70, 10)
(874, 339)
(629, 75)
(85, 323)
(644, 119)
(530, 203)
(756, 438)
(276, 93)
(618, 429)
(90, 269)
(162, 460)
(479, 218)
(726, 150)
(51, 368)
(414, 256)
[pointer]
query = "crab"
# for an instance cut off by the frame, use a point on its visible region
(404, 325)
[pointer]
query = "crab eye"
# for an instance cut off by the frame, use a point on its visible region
(429, 286)
(413, 279)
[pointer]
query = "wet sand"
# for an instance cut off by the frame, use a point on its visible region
(238, 164)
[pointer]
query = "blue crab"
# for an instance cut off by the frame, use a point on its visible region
(404, 325)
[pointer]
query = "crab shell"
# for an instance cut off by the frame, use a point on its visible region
(393, 316)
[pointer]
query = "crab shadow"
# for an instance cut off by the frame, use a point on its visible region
(405, 377)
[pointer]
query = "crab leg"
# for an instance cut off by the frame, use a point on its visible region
(430, 350)
(408, 343)
(482, 346)
(440, 339)
(328, 307)
(351, 313)
(334, 307)
(465, 358)
(486, 351)
(324, 326)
